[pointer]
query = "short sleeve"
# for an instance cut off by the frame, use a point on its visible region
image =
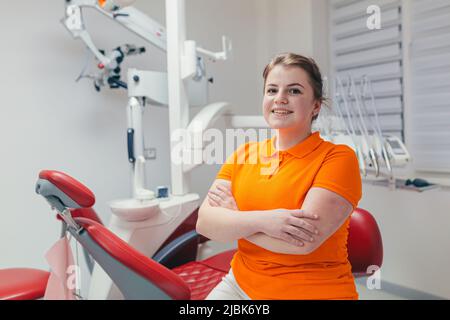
(226, 172)
(340, 173)
(227, 169)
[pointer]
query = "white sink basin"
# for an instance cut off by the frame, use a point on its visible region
(135, 210)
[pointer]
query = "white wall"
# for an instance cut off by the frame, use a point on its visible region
(47, 121)
(416, 237)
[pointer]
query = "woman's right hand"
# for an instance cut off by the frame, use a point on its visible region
(291, 226)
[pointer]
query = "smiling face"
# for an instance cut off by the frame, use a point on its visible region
(289, 101)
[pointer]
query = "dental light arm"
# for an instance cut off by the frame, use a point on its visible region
(109, 64)
(75, 25)
(204, 120)
(227, 47)
(129, 17)
(140, 24)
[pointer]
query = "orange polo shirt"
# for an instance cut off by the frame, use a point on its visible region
(263, 178)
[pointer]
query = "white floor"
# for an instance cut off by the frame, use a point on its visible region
(374, 294)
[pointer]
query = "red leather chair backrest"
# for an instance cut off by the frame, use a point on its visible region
(365, 247)
(165, 279)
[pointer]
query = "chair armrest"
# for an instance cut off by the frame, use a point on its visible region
(179, 251)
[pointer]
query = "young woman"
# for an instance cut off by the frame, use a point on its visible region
(290, 210)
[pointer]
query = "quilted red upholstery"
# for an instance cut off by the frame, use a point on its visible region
(200, 278)
(220, 261)
(203, 276)
(22, 284)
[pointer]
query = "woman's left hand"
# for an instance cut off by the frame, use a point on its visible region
(221, 196)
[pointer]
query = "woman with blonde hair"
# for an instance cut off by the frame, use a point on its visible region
(290, 211)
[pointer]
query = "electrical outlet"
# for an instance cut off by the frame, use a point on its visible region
(150, 153)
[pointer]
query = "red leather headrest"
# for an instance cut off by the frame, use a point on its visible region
(71, 187)
(156, 273)
(365, 246)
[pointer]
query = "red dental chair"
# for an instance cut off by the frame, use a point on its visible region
(139, 277)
